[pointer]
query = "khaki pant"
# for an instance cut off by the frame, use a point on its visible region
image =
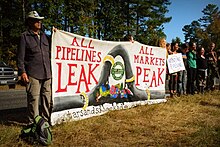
(39, 92)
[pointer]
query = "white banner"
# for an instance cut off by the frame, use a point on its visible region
(175, 63)
(90, 72)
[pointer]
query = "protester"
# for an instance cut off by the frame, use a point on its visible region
(168, 51)
(173, 76)
(201, 69)
(129, 37)
(162, 43)
(212, 67)
(218, 65)
(34, 67)
(168, 48)
(182, 75)
(191, 70)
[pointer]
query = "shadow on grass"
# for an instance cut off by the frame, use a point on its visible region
(13, 116)
(203, 103)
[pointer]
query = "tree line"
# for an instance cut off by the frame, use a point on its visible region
(206, 29)
(99, 19)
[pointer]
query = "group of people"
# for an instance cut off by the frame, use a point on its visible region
(202, 66)
(34, 67)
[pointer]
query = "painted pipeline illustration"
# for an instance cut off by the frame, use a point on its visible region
(103, 92)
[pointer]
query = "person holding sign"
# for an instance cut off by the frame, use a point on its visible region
(34, 67)
(168, 52)
(129, 37)
(162, 43)
(173, 76)
(182, 75)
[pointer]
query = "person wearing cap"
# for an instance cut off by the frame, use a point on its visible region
(34, 67)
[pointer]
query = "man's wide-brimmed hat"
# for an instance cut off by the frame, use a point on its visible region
(34, 15)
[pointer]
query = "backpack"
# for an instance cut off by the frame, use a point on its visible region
(38, 132)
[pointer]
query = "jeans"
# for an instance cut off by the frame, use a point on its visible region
(181, 82)
(39, 91)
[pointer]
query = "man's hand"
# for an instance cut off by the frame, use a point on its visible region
(54, 29)
(24, 78)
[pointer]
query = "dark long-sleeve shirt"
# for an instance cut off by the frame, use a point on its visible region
(34, 55)
(201, 63)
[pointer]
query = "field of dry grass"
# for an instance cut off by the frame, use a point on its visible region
(181, 121)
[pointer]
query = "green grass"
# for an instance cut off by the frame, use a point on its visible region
(181, 121)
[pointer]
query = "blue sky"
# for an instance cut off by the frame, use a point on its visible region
(183, 12)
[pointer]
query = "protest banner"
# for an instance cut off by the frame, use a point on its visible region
(175, 63)
(91, 77)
